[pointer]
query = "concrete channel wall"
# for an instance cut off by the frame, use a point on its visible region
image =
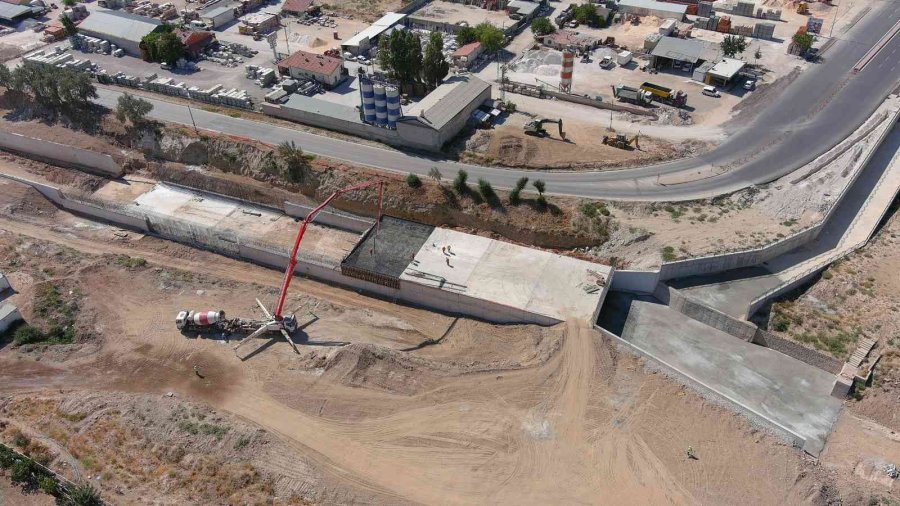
(705, 314)
(797, 351)
(309, 265)
(705, 390)
(337, 220)
(60, 154)
(718, 263)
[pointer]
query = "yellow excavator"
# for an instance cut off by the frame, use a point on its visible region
(536, 127)
(621, 141)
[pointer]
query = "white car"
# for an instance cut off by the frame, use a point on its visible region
(711, 91)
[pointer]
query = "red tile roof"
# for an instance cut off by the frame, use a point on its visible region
(466, 50)
(190, 39)
(311, 62)
(296, 5)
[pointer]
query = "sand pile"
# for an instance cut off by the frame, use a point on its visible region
(544, 62)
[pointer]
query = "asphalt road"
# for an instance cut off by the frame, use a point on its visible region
(822, 107)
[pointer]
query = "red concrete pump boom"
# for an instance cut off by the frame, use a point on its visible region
(292, 262)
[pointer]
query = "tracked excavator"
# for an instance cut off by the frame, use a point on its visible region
(536, 127)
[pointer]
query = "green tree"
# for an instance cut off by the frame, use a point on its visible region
(6, 76)
(401, 56)
(169, 48)
(435, 174)
(804, 41)
(586, 13)
(490, 37)
(466, 35)
(133, 109)
(434, 67)
(63, 92)
(733, 45)
(757, 55)
(69, 3)
(540, 186)
(413, 181)
(485, 189)
(68, 25)
(542, 26)
(294, 160)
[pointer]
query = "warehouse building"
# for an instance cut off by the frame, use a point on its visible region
(220, 13)
(465, 56)
(724, 72)
(362, 42)
(672, 50)
(11, 14)
(320, 68)
(120, 28)
(653, 8)
(426, 125)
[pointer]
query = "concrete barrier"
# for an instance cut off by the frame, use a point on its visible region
(4, 283)
(60, 154)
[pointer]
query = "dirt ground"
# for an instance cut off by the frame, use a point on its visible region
(856, 297)
(417, 408)
(508, 145)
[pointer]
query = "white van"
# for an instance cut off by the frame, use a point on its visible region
(710, 91)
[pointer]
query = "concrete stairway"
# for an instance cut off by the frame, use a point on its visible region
(862, 351)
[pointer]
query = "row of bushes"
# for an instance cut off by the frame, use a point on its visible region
(32, 477)
(485, 189)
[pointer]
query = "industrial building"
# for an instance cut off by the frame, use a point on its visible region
(220, 13)
(523, 8)
(426, 125)
(123, 29)
(195, 41)
(653, 8)
(723, 72)
(296, 7)
(465, 56)
(320, 68)
(362, 42)
(670, 50)
(12, 13)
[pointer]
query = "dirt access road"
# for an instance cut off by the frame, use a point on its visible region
(492, 414)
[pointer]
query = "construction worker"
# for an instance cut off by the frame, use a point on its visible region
(197, 371)
(690, 452)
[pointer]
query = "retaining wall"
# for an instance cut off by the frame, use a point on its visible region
(337, 220)
(635, 281)
(704, 314)
(797, 351)
(719, 263)
(4, 284)
(60, 154)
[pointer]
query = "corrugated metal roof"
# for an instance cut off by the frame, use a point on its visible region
(312, 62)
(324, 107)
(10, 12)
(442, 104)
(727, 68)
(217, 9)
(121, 25)
(690, 50)
(375, 29)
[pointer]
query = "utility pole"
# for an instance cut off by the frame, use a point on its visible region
(192, 120)
(833, 21)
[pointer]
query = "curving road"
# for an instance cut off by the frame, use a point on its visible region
(823, 106)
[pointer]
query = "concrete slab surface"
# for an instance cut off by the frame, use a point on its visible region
(515, 276)
(785, 391)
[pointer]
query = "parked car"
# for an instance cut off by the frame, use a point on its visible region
(711, 91)
(686, 67)
(750, 84)
(572, 24)
(606, 63)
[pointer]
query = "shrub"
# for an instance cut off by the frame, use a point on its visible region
(521, 183)
(459, 184)
(668, 253)
(26, 334)
(540, 186)
(84, 494)
(413, 180)
(485, 189)
(514, 197)
(48, 485)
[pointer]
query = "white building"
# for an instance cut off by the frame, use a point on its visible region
(120, 28)
(653, 8)
(365, 40)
